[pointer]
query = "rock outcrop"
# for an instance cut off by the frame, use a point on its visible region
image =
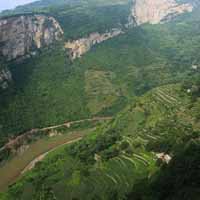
(20, 35)
(5, 79)
(157, 11)
(79, 47)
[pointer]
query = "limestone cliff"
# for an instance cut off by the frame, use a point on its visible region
(156, 11)
(79, 47)
(20, 35)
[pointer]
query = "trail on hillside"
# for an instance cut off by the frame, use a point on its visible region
(14, 168)
(13, 142)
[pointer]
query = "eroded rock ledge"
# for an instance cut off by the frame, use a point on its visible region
(20, 35)
(80, 46)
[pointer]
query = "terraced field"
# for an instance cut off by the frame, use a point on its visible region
(165, 99)
(100, 89)
(121, 172)
(147, 113)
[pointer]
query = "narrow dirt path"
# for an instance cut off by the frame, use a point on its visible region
(15, 141)
(41, 157)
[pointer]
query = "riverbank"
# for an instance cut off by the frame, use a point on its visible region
(15, 167)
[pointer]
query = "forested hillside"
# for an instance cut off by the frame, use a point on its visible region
(163, 50)
(49, 79)
(146, 81)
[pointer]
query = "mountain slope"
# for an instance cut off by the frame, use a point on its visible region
(142, 52)
(119, 152)
(146, 78)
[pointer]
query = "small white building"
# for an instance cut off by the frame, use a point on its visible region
(195, 67)
(188, 90)
(164, 157)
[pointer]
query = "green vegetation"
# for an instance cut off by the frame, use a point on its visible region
(100, 90)
(48, 5)
(80, 18)
(147, 78)
(34, 135)
(11, 170)
(118, 158)
(35, 103)
(139, 60)
(178, 180)
(80, 22)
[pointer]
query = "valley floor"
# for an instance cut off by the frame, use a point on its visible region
(15, 167)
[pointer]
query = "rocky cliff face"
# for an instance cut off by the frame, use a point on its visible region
(142, 11)
(156, 11)
(79, 47)
(22, 34)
